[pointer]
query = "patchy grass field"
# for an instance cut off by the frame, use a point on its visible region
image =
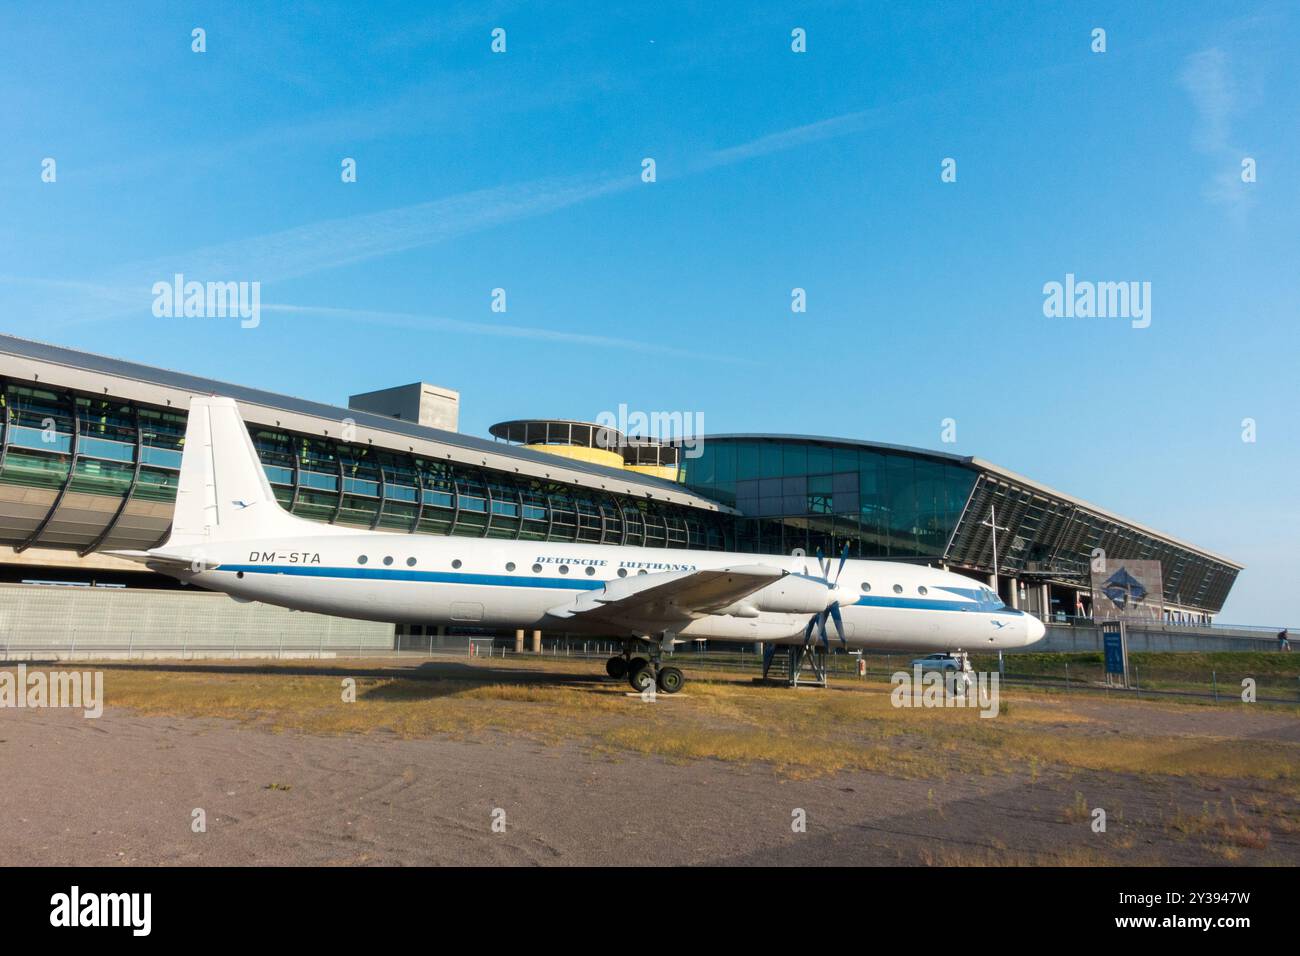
(799, 732)
(409, 771)
(1276, 675)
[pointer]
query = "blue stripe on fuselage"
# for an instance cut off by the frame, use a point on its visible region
(429, 577)
(930, 604)
(566, 584)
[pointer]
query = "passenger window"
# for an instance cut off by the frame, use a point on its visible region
(898, 589)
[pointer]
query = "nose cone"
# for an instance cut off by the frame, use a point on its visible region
(1034, 630)
(841, 596)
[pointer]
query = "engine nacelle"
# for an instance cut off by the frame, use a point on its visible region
(792, 594)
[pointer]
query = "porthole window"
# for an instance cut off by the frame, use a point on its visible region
(456, 563)
(898, 589)
(564, 569)
(622, 572)
(866, 587)
(388, 559)
(239, 574)
(922, 590)
(510, 565)
(410, 562)
(537, 569)
(590, 570)
(642, 571)
(362, 559)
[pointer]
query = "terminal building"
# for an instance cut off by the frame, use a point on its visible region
(90, 451)
(906, 504)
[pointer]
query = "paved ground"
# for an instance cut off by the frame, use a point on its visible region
(122, 789)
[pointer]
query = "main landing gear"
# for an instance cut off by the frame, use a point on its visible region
(644, 673)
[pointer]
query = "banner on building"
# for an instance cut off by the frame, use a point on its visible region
(1127, 590)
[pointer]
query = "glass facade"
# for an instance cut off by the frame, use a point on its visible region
(108, 455)
(806, 494)
(91, 472)
(901, 504)
(1050, 538)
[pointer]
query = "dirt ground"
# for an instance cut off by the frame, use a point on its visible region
(124, 789)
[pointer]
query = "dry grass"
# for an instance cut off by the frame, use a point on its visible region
(801, 733)
(1078, 811)
(943, 855)
(1222, 829)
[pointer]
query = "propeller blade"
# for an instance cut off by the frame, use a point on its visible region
(821, 630)
(822, 564)
(844, 557)
(839, 622)
(807, 631)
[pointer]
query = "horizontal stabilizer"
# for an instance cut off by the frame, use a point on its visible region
(159, 560)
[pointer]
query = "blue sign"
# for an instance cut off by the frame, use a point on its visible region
(1113, 643)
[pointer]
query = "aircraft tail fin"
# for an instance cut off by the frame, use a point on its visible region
(223, 493)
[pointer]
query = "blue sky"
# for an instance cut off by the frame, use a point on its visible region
(775, 170)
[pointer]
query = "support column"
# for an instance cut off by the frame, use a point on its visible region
(1015, 594)
(537, 642)
(1046, 613)
(519, 641)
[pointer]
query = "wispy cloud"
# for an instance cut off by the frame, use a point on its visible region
(1206, 80)
(333, 243)
(320, 246)
(417, 322)
(1209, 83)
(846, 124)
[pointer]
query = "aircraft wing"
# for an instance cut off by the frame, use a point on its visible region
(664, 601)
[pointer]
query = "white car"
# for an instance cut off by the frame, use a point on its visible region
(937, 662)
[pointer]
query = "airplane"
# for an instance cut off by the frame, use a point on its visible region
(230, 534)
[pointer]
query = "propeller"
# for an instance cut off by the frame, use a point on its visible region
(832, 609)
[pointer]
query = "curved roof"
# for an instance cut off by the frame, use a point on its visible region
(846, 442)
(558, 431)
(981, 465)
(619, 479)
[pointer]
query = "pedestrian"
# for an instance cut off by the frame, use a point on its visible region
(1283, 640)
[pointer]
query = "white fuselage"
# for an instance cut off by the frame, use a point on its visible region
(423, 579)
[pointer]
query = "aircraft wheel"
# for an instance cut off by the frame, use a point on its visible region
(671, 680)
(641, 678)
(616, 666)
